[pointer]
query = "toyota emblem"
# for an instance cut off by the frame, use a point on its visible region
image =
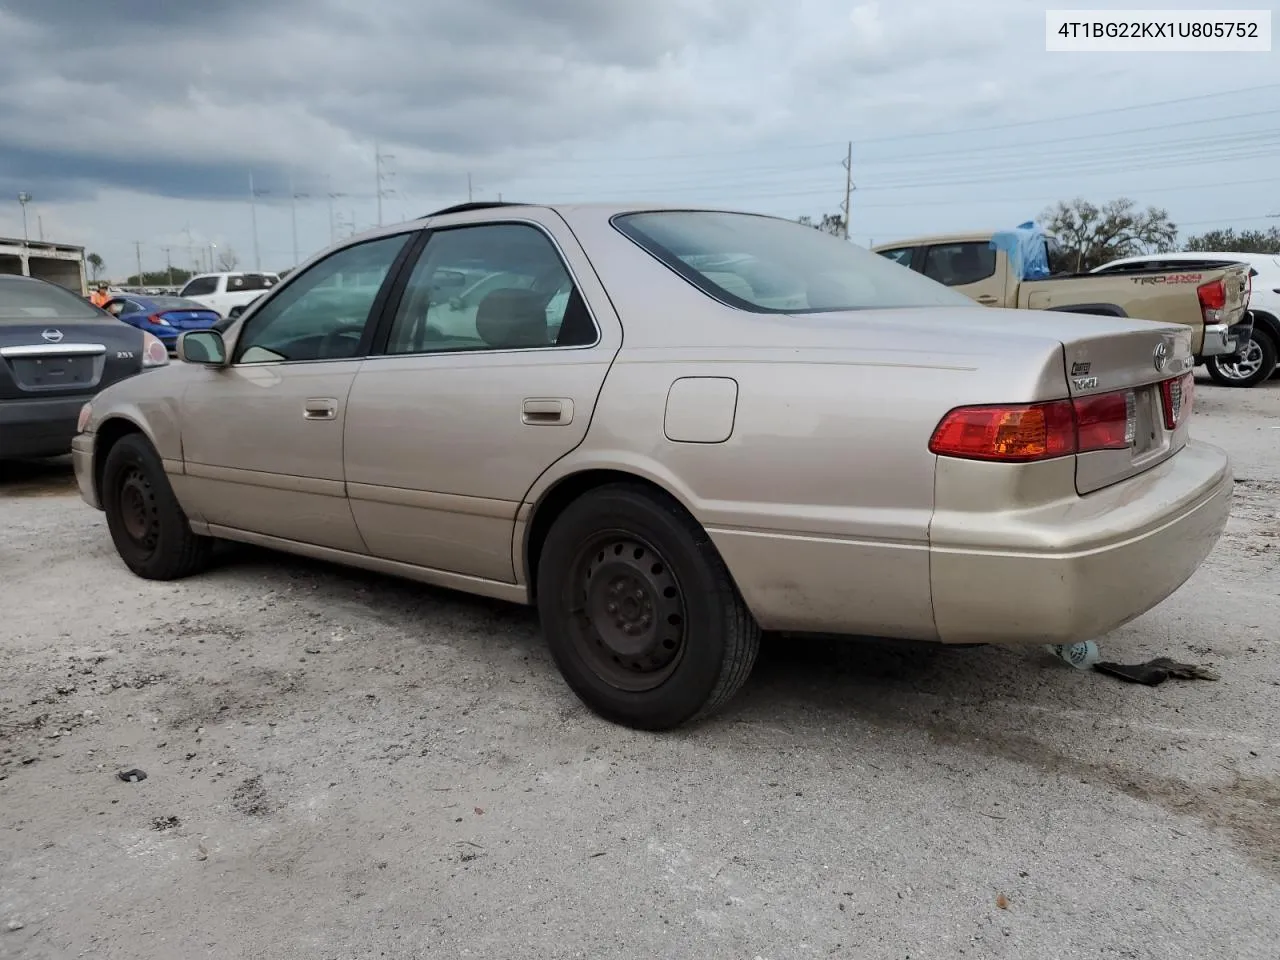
(53, 336)
(1161, 355)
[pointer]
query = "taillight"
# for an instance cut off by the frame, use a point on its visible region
(1213, 300)
(1038, 431)
(157, 320)
(1013, 434)
(154, 352)
(1178, 395)
(1106, 422)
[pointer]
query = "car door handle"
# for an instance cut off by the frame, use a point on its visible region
(547, 412)
(320, 408)
(987, 300)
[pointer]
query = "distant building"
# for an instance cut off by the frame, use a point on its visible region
(60, 263)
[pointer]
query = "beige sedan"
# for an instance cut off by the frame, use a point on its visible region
(671, 429)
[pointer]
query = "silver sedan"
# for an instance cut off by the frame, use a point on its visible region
(671, 429)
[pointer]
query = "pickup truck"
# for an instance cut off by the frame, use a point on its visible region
(992, 270)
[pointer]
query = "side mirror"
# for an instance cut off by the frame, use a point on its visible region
(204, 347)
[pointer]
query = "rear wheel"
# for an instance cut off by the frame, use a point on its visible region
(1255, 363)
(151, 533)
(639, 611)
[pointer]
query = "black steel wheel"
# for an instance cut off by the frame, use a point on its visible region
(151, 532)
(639, 611)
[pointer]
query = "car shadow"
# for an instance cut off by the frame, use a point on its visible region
(37, 478)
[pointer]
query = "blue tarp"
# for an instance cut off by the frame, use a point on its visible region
(1025, 247)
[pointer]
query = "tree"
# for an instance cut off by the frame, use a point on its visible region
(1228, 241)
(158, 278)
(227, 259)
(832, 223)
(95, 265)
(1094, 235)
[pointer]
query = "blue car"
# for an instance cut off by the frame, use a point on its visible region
(163, 317)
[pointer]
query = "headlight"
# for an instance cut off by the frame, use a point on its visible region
(85, 412)
(154, 353)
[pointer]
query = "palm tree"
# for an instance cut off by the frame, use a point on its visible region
(95, 264)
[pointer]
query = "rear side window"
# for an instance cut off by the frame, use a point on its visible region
(957, 264)
(900, 255)
(248, 282)
(200, 287)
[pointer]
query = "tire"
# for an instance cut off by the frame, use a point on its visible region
(151, 533)
(660, 636)
(1256, 364)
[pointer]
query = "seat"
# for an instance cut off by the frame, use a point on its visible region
(510, 319)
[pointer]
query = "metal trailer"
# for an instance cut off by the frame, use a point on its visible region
(60, 263)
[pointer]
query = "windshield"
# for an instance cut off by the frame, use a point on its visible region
(769, 265)
(23, 300)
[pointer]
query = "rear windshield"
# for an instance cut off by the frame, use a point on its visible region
(25, 301)
(769, 265)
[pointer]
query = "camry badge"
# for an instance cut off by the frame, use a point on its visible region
(53, 336)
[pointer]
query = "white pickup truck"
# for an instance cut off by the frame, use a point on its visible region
(223, 292)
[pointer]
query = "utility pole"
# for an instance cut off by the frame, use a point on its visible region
(137, 248)
(24, 199)
(213, 263)
(168, 262)
(333, 235)
(468, 188)
(253, 214)
(40, 224)
(379, 158)
(848, 187)
(294, 197)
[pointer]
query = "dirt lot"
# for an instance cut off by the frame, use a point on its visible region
(343, 765)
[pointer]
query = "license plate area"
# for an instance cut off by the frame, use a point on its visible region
(1149, 434)
(54, 372)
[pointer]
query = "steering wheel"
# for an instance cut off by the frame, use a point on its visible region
(338, 341)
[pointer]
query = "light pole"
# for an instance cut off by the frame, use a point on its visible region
(24, 198)
(253, 214)
(294, 197)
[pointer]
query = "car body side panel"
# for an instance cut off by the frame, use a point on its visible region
(817, 535)
(254, 461)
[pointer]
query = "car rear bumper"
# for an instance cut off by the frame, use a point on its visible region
(82, 462)
(1078, 568)
(38, 428)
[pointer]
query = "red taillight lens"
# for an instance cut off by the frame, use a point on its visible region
(1013, 434)
(1213, 299)
(156, 320)
(1038, 431)
(1106, 422)
(1178, 395)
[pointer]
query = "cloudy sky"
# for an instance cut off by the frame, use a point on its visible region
(144, 120)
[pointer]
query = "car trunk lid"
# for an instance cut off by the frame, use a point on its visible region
(63, 359)
(1149, 370)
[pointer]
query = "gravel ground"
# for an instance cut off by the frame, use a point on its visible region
(344, 765)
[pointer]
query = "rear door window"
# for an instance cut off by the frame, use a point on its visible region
(959, 264)
(200, 287)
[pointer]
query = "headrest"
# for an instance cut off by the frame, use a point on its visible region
(508, 319)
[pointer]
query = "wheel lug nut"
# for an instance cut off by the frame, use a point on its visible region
(611, 607)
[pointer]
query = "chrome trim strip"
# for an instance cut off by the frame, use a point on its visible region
(52, 349)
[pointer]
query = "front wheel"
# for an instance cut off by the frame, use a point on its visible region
(640, 613)
(1255, 363)
(151, 533)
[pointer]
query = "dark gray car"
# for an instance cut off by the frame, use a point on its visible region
(56, 352)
